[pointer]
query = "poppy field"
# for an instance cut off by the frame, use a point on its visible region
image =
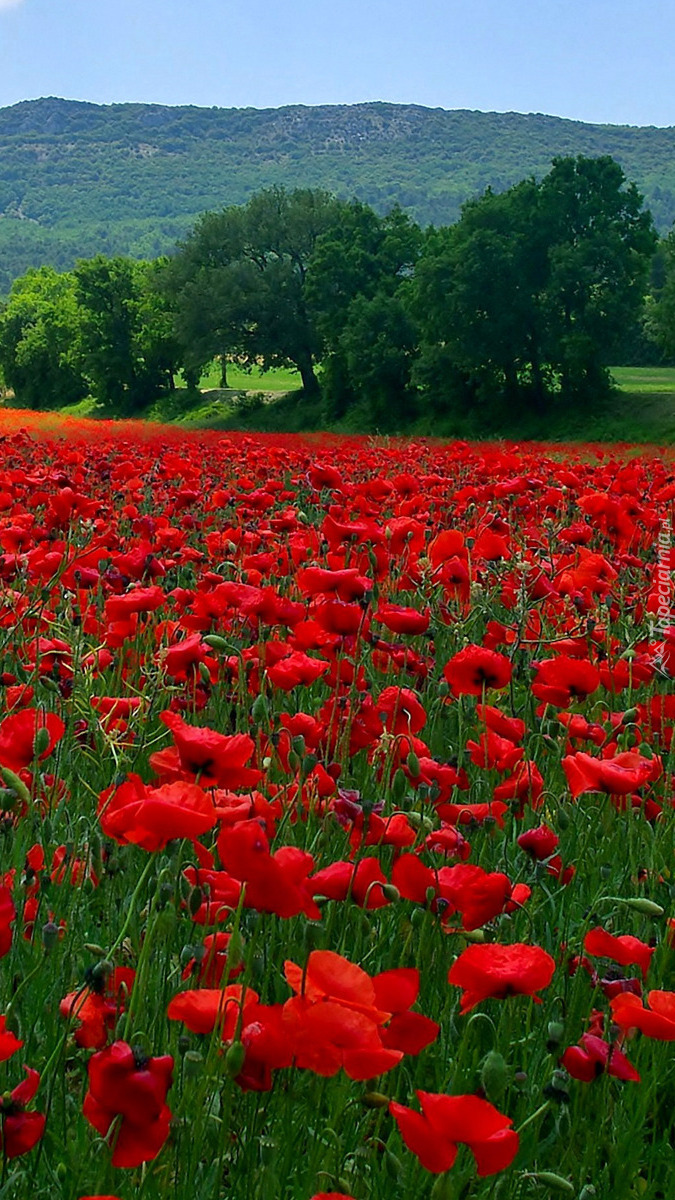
(336, 817)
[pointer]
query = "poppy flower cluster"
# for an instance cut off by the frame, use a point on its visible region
(338, 771)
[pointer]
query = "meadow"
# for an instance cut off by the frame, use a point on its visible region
(336, 816)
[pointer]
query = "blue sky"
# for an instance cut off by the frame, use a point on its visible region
(593, 60)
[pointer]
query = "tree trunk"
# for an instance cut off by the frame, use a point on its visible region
(310, 382)
(223, 371)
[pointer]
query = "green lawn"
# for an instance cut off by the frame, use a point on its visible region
(647, 380)
(277, 380)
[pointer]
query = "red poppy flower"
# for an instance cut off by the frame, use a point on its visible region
(541, 842)
(562, 680)
(123, 1083)
(474, 669)
(657, 1021)
(624, 950)
(20, 1130)
(448, 1121)
(9, 1044)
(490, 970)
(618, 776)
(152, 817)
(19, 731)
(96, 1009)
(7, 916)
(215, 758)
(594, 1057)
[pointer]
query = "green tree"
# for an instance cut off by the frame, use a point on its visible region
(40, 340)
(357, 270)
(660, 309)
(127, 344)
(523, 299)
(238, 282)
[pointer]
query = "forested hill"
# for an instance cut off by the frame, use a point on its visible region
(79, 178)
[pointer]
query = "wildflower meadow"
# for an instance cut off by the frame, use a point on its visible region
(336, 817)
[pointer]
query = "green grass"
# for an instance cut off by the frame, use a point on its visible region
(645, 380)
(278, 379)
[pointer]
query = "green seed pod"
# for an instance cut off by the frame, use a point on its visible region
(298, 744)
(494, 1075)
(234, 1058)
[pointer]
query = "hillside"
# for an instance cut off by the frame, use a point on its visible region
(78, 178)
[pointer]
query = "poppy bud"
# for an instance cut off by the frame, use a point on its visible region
(390, 892)
(49, 685)
(375, 1100)
(94, 948)
(50, 935)
(308, 764)
(235, 950)
(216, 642)
(195, 901)
(16, 785)
(192, 1064)
(413, 765)
(494, 1075)
(293, 760)
(556, 1183)
(563, 819)
(298, 744)
(554, 1035)
(420, 821)
(204, 672)
(392, 1164)
(473, 935)
(183, 1044)
(234, 1058)
(444, 1188)
(588, 1191)
(260, 710)
(399, 786)
(41, 743)
(648, 907)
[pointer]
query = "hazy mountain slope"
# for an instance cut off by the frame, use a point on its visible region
(76, 178)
